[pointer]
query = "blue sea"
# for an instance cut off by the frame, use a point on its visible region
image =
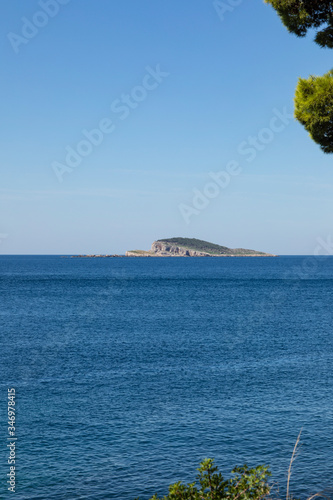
(129, 372)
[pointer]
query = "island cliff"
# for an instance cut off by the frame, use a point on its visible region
(191, 247)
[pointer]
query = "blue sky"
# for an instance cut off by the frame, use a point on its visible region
(195, 90)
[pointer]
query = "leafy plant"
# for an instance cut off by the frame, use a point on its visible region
(246, 484)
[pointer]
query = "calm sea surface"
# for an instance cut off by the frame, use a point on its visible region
(129, 372)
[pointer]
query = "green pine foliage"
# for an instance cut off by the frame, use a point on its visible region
(314, 96)
(246, 484)
(301, 15)
(314, 108)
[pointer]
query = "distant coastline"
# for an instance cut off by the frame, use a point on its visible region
(184, 247)
(96, 256)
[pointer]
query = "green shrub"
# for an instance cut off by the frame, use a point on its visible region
(246, 484)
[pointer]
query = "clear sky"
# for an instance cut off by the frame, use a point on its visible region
(134, 120)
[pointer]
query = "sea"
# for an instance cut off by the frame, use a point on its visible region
(128, 372)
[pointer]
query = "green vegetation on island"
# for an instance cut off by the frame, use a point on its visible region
(206, 247)
(191, 247)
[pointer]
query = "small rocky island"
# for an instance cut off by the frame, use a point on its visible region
(191, 247)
